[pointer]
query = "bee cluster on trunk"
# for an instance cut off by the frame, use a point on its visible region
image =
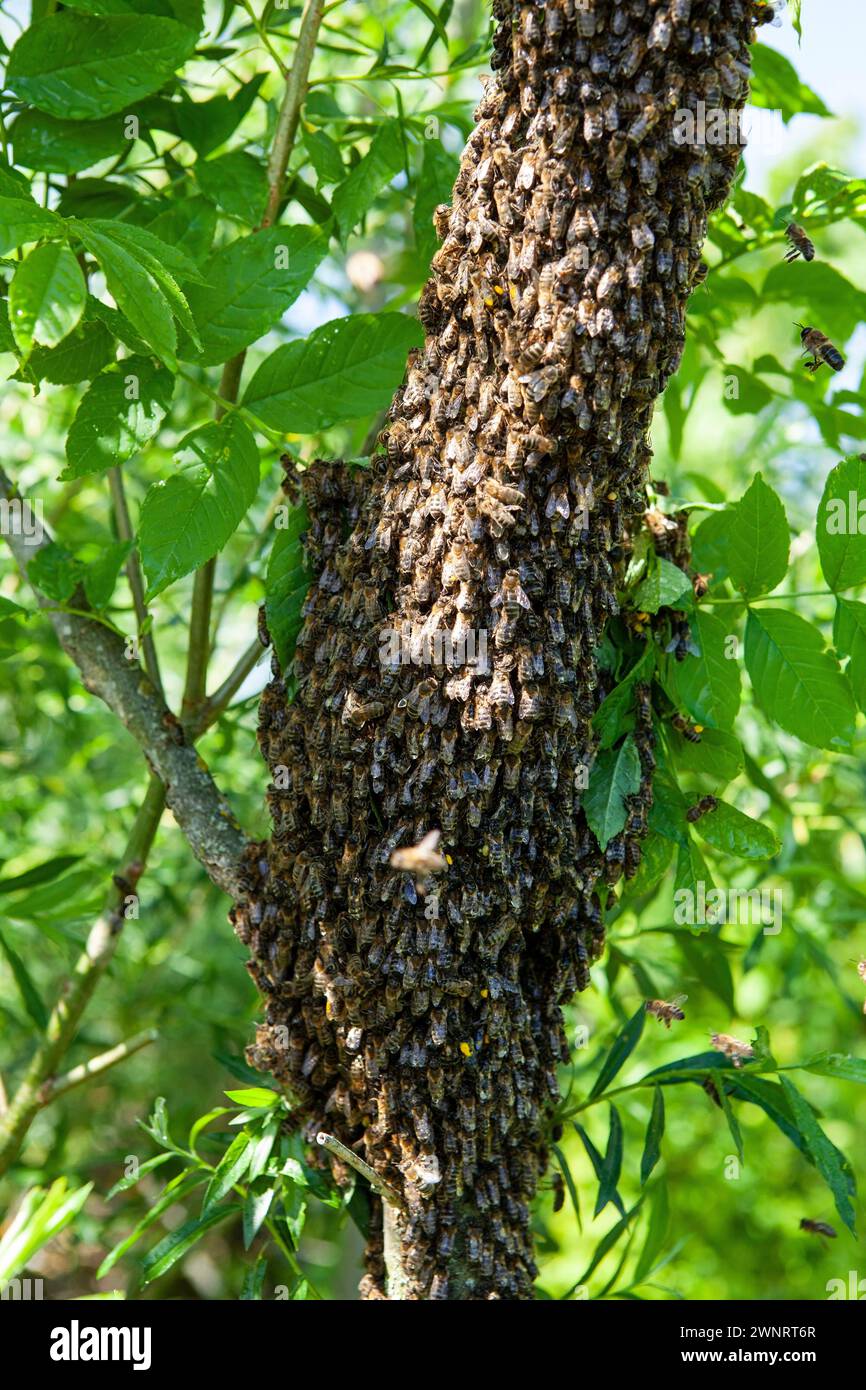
(420, 1021)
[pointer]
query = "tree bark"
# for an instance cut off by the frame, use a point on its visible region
(424, 1029)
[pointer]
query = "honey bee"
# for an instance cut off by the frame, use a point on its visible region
(701, 808)
(800, 243)
(817, 1228)
(732, 1048)
(666, 1012)
(689, 731)
(712, 1091)
(821, 348)
(422, 859)
(861, 969)
(701, 584)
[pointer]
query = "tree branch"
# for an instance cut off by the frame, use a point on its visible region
(202, 813)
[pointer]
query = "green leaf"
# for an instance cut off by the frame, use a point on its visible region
(119, 413)
(841, 524)
(56, 146)
(141, 1171)
(80, 357)
(45, 872)
(188, 226)
(615, 714)
(46, 297)
(55, 572)
(614, 775)
(36, 1010)
(612, 1164)
(83, 67)
(664, 587)
(654, 1135)
(706, 686)
(824, 1155)
(288, 581)
(623, 1046)
(250, 285)
(796, 683)
(758, 540)
(840, 1065)
(816, 295)
(256, 1207)
(161, 1258)
(733, 1123)
(569, 1182)
(21, 221)
(439, 169)
(730, 830)
(230, 1169)
(775, 85)
(608, 1241)
(254, 1280)
(174, 1191)
(8, 609)
(166, 262)
(345, 369)
(100, 577)
(849, 639)
(208, 124)
(255, 1097)
(189, 517)
(384, 159)
(324, 155)
(707, 960)
(135, 290)
(656, 1233)
(597, 1162)
(237, 183)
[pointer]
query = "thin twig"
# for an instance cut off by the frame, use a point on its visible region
(78, 1075)
(382, 1188)
(219, 701)
(134, 575)
(76, 994)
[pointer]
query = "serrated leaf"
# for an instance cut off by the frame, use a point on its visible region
(119, 413)
(82, 67)
(286, 586)
(57, 146)
(55, 572)
(324, 154)
(719, 755)
(730, 830)
(614, 775)
(356, 194)
(22, 221)
(666, 586)
(250, 285)
(188, 517)
(706, 686)
(46, 297)
(849, 639)
(344, 369)
(237, 183)
(841, 524)
(776, 85)
(758, 540)
(100, 577)
(80, 357)
(136, 292)
(654, 1135)
(796, 683)
(691, 870)
(615, 714)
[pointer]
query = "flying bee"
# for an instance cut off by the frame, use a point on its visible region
(691, 732)
(701, 808)
(701, 584)
(666, 1011)
(422, 859)
(736, 1051)
(821, 348)
(800, 243)
(861, 969)
(817, 1228)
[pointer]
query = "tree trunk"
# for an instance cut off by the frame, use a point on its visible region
(423, 1029)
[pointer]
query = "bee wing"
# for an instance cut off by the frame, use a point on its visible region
(678, 999)
(430, 841)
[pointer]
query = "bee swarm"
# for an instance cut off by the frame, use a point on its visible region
(425, 1030)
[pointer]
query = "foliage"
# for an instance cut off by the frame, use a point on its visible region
(131, 197)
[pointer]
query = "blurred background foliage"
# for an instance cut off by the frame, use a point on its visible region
(72, 779)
